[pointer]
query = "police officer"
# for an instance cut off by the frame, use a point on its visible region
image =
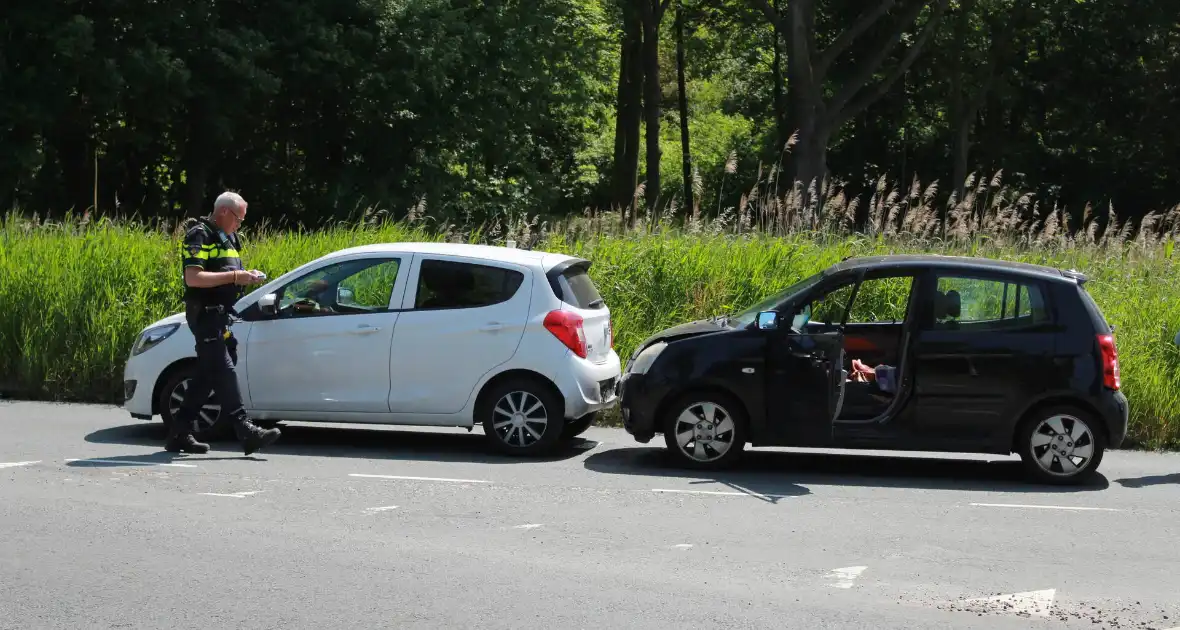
(213, 273)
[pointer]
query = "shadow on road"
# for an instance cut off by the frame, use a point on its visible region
(156, 459)
(777, 472)
(350, 441)
(1154, 480)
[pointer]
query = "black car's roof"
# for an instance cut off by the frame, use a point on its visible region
(956, 262)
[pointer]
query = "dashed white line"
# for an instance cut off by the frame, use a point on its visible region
(15, 464)
(232, 495)
(724, 494)
(1047, 507)
(419, 478)
(846, 576)
(714, 492)
(1034, 603)
(528, 526)
(126, 462)
(381, 509)
(682, 546)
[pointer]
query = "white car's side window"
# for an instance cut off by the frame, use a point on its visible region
(447, 284)
(350, 287)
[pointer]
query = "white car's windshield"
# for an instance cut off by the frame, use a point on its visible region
(746, 317)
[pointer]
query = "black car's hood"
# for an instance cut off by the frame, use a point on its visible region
(680, 331)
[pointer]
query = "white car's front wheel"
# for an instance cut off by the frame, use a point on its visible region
(522, 417)
(172, 396)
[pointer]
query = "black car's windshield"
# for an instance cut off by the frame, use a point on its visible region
(746, 317)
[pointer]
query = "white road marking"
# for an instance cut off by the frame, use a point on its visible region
(682, 546)
(381, 509)
(419, 478)
(15, 464)
(1036, 603)
(724, 494)
(127, 462)
(1047, 507)
(845, 577)
(234, 495)
(528, 526)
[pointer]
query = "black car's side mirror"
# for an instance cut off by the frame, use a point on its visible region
(767, 320)
(268, 305)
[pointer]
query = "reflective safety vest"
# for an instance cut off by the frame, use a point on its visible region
(206, 247)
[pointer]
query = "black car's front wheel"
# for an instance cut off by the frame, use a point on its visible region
(706, 431)
(1061, 445)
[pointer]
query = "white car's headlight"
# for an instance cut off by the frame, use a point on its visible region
(646, 358)
(153, 336)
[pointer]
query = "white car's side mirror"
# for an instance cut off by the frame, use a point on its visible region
(267, 304)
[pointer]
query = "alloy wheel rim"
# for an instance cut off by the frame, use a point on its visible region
(704, 431)
(520, 419)
(209, 412)
(1062, 445)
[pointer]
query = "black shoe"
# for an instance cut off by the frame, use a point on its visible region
(254, 438)
(185, 443)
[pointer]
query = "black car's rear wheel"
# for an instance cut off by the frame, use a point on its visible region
(1061, 445)
(705, 431)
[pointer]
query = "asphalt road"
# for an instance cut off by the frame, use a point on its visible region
(362, 527)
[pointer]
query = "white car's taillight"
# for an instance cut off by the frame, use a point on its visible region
(567, 327)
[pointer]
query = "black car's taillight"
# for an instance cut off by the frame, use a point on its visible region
(1110, 362)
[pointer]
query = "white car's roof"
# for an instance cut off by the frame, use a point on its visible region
(486, 252)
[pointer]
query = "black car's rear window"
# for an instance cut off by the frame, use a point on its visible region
(578, 289)
(1096, 316)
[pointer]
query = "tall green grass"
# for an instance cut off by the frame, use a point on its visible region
(76, 293)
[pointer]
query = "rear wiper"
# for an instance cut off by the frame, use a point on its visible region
(596, 303)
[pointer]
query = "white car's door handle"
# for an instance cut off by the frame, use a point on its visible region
(365, 329)
(491, 327)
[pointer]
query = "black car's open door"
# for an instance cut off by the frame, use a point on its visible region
(806, 367)
(805, 385)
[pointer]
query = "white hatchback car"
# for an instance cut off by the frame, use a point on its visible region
(425, 334)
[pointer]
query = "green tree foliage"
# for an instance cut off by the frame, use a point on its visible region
(317, 110)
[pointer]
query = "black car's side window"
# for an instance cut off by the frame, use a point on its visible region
(881, 300)
(450, 284)
(830, 307)
(979, 304)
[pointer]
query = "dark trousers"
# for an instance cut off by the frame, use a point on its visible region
(216, 359)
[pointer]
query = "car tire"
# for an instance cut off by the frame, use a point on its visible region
(1051, 436)
(717, 416)
(574, 428)
(522, 417)
(210, 427)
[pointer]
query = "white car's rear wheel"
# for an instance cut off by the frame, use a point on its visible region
(521, 417)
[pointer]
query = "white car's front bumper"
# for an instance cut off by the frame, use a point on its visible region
(142, 372)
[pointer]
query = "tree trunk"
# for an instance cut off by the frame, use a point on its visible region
(651, 103)
(196, 163)
(780, 97)
(627, 115)
(76, 157)
(685, 152)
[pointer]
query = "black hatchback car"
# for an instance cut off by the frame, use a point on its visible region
(914, 353)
